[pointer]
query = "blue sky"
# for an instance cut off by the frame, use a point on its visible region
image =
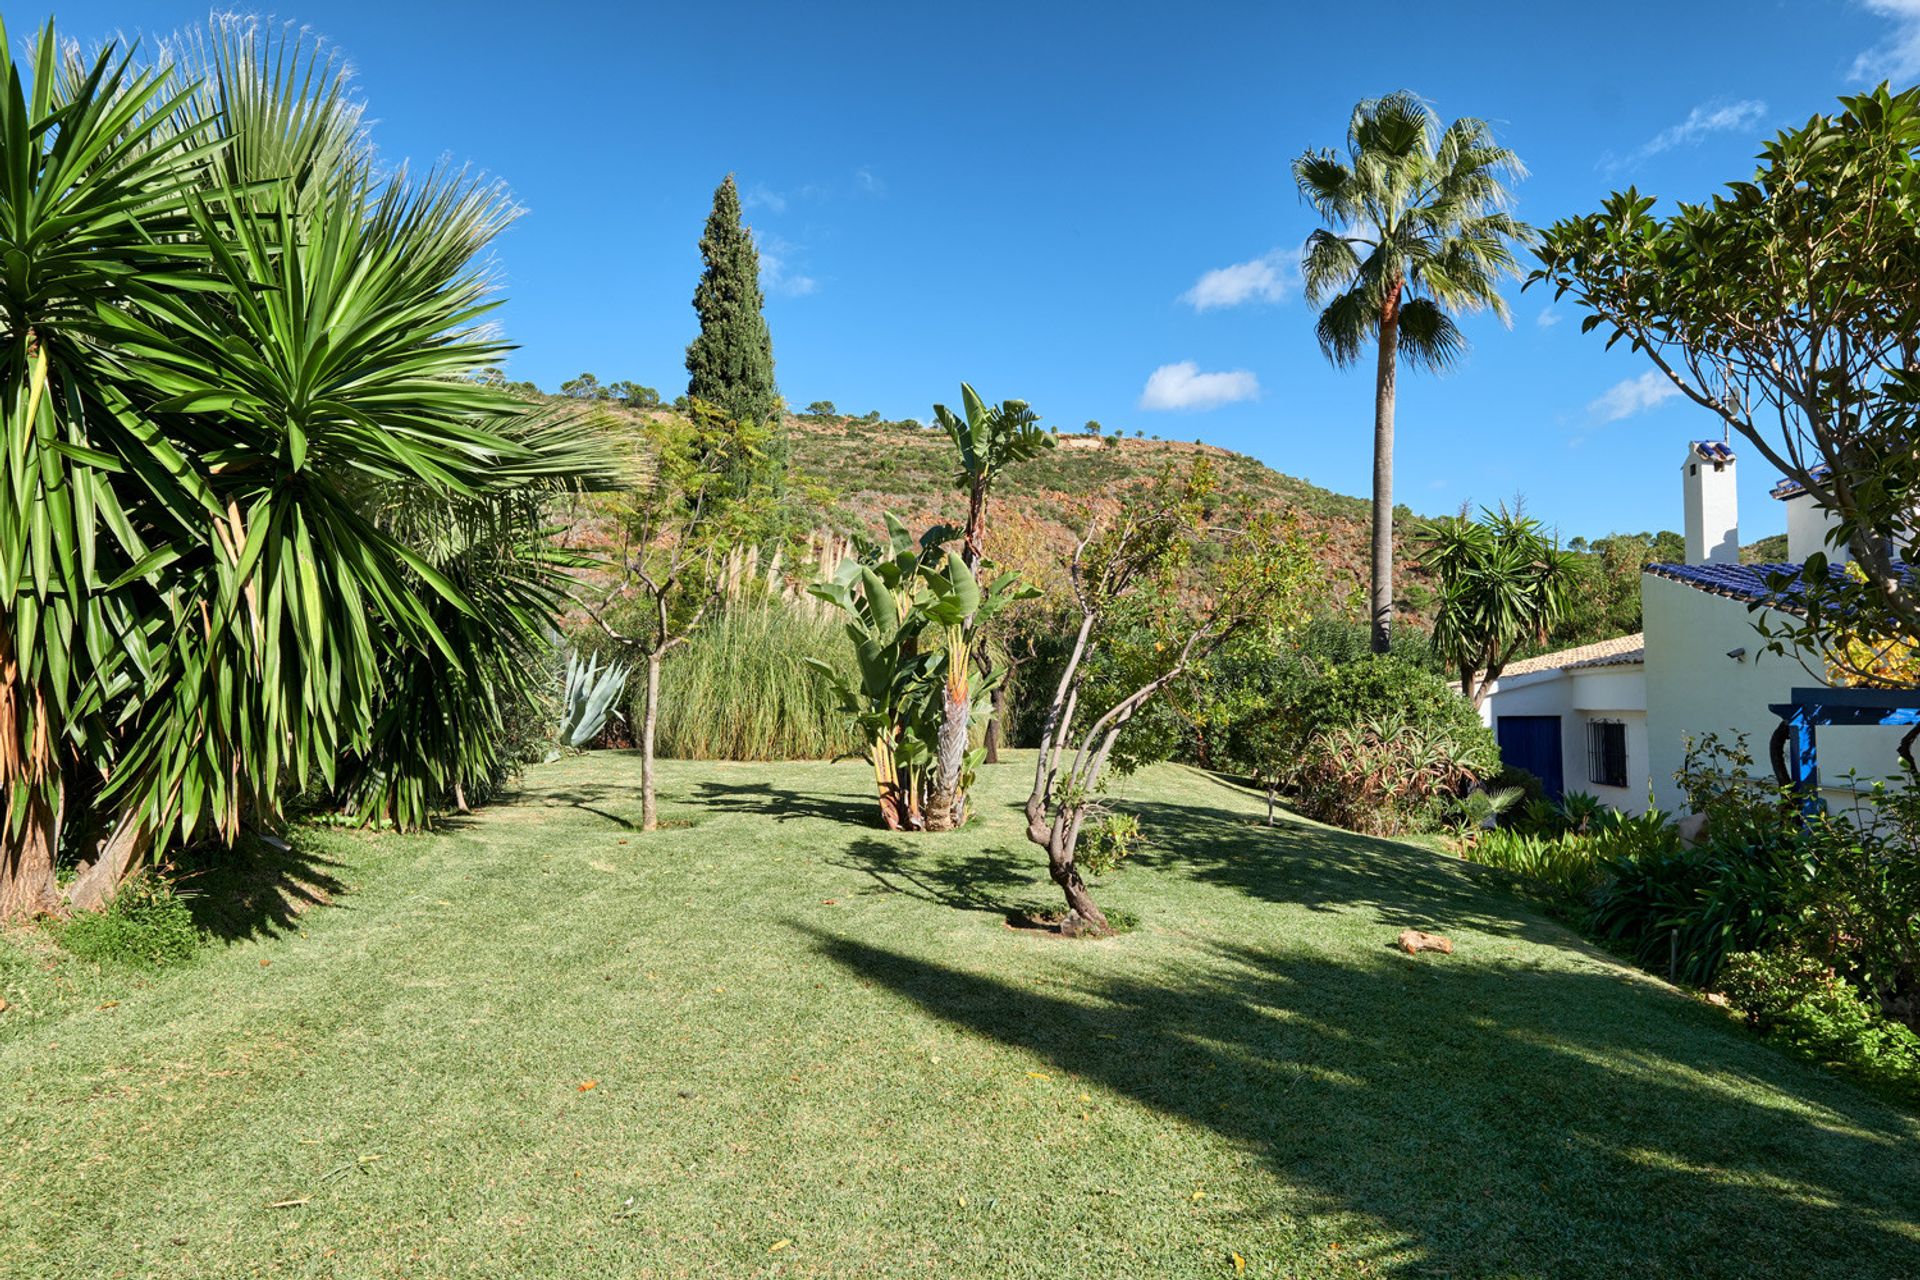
(1088, 206)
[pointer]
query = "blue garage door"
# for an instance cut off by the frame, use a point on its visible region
(1533, 743)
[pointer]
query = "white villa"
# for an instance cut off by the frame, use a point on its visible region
(1612, 718)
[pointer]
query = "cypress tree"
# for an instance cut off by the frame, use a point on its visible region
(730, 365)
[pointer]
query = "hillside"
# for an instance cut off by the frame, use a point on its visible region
(854, 471)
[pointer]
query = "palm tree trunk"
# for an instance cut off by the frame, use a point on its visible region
(1382, 597)
(649, 815)
(26, 860)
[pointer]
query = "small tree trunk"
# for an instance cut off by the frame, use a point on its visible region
(1383, 392)
(26, 861)
(1083, 913)
(997, 700)
(649, 814)
(120, 855)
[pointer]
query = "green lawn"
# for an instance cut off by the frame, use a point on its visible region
(819, 1050)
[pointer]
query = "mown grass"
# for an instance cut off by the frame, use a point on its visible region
(773, 1041)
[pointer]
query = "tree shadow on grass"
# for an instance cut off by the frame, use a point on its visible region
(257, 888)
(983, 881)
(1323, 869)
(593, 800)
(1485, 1117)
(763, 799)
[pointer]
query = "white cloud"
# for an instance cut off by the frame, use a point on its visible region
(1897, 57)
(1269, 278)
(775, 274)
(1635, 395)
(869, 182)
(1183, 386)
(1548, 318)
(758, 196)
(1702, 121)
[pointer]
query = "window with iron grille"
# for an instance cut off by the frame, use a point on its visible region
(1607, 753)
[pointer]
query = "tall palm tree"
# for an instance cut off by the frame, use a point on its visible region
(1418, 230)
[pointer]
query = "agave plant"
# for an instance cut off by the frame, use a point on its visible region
(590, 695)
(229, 349)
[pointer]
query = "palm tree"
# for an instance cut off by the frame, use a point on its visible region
(1418, 230)
(230, 350)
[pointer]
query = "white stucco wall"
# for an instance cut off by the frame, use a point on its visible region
(1579, 697)
(1694, 688)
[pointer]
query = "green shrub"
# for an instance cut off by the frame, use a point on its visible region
(1683, 911)
(1563, 871)
(1106, 847)
(1801, 1003)
(1381, 688)
(741, 689)
(1386, 775)
(145, 926)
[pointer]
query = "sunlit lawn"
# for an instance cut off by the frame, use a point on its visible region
(773, 1040)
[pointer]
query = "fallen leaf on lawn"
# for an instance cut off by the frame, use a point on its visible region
(1201, 1195)
(286, 1204)
(829, 902)
(1239, 1263)
(778, 1245)
(1086, 1097)
(265, 963)
(111, 1004)
(1039, 1075)
(585, 1085)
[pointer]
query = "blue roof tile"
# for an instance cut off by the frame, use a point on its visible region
(1744, 581)
(1793, 488)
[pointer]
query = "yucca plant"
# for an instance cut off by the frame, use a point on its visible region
(231, 349)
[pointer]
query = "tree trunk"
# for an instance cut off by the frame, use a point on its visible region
(1083, 913)
(1383, 388)
(943, 797)
(26, 861)
(120, 854)
(997, 700)
(974, 549)
(649, 814)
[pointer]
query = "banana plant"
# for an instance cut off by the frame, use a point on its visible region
(988, 439)
(955, 602)
(877, 592)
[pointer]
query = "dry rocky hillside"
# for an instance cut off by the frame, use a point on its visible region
(854, 471)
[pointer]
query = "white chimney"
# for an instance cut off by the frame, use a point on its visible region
(1807, 524)
(1712, 509)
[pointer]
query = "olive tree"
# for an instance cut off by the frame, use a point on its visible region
(1152, 608)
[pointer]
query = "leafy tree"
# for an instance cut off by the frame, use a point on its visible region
(677, 523)
(1418, 230)
(208, 600)
(585, 387)
(730, 363)
(822, 409)
(1149, 614)
(1092, 428)
(1504, 583)
(633, 395)
(1787, 307)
